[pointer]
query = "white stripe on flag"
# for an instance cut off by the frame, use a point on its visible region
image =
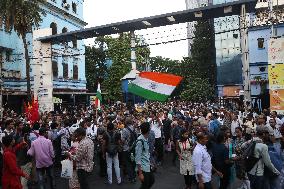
(154, 86)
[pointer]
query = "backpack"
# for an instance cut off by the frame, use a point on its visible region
(133, 138)
(133, 149)
(248, 157)
(57, 145)
(112, 147)
(275, 160)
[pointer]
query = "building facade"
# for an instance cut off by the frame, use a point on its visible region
(68, 59)
(192, 4)
(259, 35)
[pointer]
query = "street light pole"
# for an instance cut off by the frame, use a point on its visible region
(1, 99)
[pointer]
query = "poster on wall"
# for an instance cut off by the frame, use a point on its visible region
(276, 51)
(277, 100)
(276, 74)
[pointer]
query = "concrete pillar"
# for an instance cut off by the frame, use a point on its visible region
(245, 53)
(42, 70)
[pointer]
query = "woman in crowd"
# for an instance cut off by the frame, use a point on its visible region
(184, 150)
(74, 182)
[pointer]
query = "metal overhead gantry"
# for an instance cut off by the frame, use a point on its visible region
(206, 12)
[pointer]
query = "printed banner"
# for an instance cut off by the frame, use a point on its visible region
(277, 100)
(276, 51)
(276, 74)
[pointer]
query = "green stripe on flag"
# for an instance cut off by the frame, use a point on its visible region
(150, 95)
(99, 95)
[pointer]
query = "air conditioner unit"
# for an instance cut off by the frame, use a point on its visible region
(279, 3)
(66, 6)
(261, 4)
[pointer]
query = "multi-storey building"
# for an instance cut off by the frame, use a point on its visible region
(68, 59)
(259, 35)
(192, 4)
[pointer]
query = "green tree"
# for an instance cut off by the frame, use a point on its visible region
(119, 51)
(203, 64)
(96, 67)
(22, 16)
(199, 71)
(164, 65)
(198, 90)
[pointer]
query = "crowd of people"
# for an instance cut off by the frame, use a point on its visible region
(214, 146)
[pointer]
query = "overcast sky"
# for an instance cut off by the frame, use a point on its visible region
(100, 12)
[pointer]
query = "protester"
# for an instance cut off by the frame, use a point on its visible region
(202, 162)
(184, 150)
(111, 147)
(11, 172)
(74, 182)
(221, 160)
(23, 159)
(83, 157)
(156, 126)
(128, 138)
(42, 150)
(142, 158)
(261, 152)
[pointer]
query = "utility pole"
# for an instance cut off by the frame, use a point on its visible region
(245, 55)
(271, 18)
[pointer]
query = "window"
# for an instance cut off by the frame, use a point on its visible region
(260, 43)
(53, 26)
(65, 4)
(8, 56)
(74, 7)
(262, 69)
(64, 30)
(1, 22)
(75, 44)
(1, 60)
(54, 69)
(75, 72)
(65, 71)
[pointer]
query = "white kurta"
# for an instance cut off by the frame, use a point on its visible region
(186, 161)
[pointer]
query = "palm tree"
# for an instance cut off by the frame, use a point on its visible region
(22, 16)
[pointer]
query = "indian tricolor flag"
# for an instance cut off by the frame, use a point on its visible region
(98, 98)
(154, 85)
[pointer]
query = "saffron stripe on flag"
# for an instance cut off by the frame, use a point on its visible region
(168, 79)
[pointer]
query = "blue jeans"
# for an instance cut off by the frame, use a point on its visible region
(129, 165)
(113, 160)
(256, 182)
(41, 173)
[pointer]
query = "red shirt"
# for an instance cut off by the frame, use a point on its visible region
(11, 172)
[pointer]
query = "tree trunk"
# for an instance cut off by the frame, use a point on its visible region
(27, 58)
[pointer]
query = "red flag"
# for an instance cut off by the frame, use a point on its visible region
(32, 111)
